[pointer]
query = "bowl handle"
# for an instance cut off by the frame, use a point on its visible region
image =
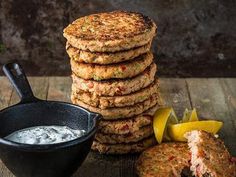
(16, 75)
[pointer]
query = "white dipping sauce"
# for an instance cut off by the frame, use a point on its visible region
(45, 135)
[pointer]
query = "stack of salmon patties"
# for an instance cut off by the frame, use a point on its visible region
(113, 74)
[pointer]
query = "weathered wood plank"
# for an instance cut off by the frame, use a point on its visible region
(208, 97)
(5, 92)
(229, 89)
(4, 172)
(100, 165)
(175, 94)
(59, 89)
(128, 166)
(39, 87)
(5, 95)
(107, 165)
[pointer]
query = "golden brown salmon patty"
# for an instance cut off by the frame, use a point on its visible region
(122, 112)
(124, 148)
(136, 136)
(129, 125)
(113, 71)
(125, 126)
(117, 87)
(166, 159)
(110, 32)
(210, 157)
(105, 57)
(105, 102)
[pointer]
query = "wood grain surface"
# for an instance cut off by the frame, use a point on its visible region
(213, 98)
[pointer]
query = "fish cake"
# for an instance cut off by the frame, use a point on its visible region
(122, 112)
(105, 102)
(124, 148)
(166, 159)
(104, 58)
(110, 31)
(130, 125)
(125, 126)
(116, 87)
(209, 155)
(136, 136)
(123, 70)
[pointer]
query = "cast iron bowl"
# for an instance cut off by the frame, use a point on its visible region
(52, 160)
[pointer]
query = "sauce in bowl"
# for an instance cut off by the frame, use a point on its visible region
(45, 135)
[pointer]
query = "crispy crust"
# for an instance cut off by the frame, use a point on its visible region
(105, 57)
(117, 87)
(209, 155)
(126, 126)
(136, 136)
(123, 112)
(130, 125)
(110, 32)
(114, 71)
(123, 148)
(105, 102)
(166, 159)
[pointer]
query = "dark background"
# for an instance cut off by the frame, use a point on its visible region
(196, 38)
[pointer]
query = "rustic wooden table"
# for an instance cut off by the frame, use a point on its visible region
(213, 98)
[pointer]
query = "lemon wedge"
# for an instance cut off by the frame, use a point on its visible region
(190, 116)
(177, 131)
(162, 118)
